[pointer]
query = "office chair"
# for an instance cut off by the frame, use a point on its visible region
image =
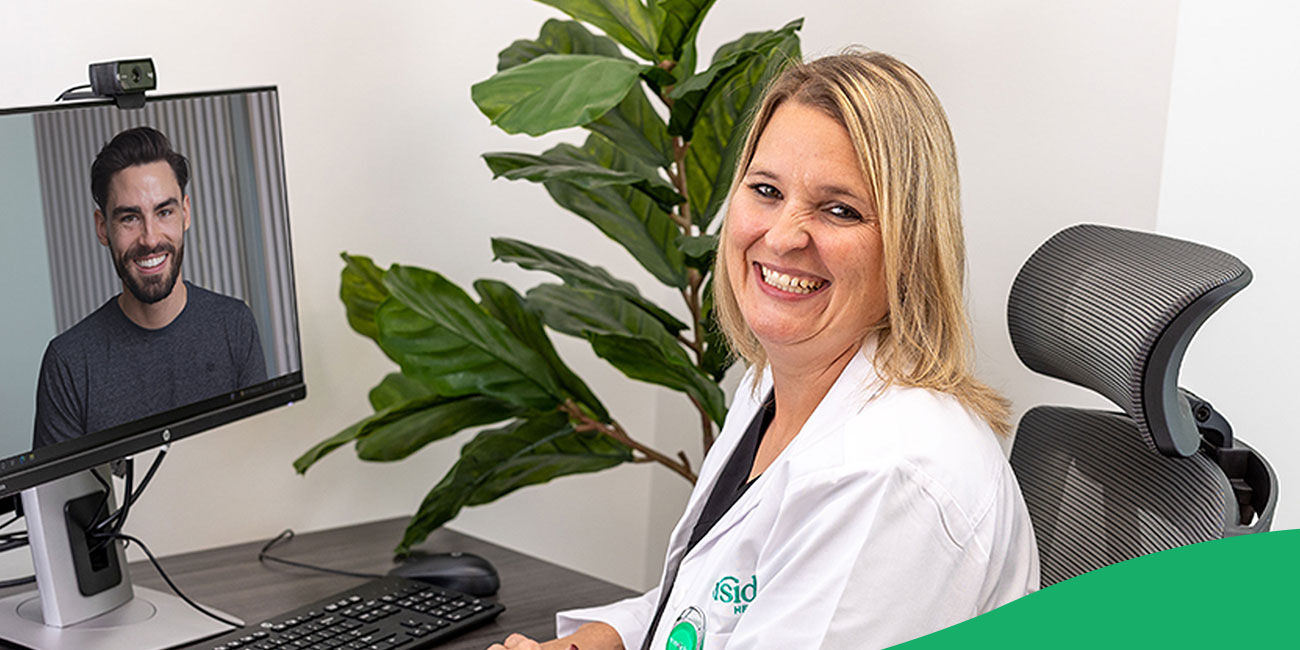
(1113, 310)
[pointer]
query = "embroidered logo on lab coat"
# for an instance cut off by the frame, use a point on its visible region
(730, 590)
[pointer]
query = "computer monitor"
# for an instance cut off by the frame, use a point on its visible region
(139, 312)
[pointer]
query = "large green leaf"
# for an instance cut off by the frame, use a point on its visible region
(558, 37)
(326, 446)
(633, 125)
(499, 461)
(637, 129)
(447, 353)
(396, 388)
(627, 21)
(717, 357)
(640, 359)
(500, 300)
(719, 129)
(682, 19)
(627, 216)
(362, 290)
(554, 91)
(580, 312)
(401, 430)
(699, 250)
(577, 273)
(628, 338)
(432, 296)
(692, 95)
(580, 173)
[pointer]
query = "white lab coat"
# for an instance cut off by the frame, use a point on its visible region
(883, 520)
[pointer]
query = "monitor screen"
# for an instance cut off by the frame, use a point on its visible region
(149, 280)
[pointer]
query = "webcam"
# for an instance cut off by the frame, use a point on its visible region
(125, 81)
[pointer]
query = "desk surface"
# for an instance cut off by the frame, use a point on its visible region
(232, 580)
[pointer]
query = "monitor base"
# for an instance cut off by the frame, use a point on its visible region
(150, 621)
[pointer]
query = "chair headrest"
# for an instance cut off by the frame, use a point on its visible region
(1113, 310)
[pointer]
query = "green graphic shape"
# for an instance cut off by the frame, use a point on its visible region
(1223, 593)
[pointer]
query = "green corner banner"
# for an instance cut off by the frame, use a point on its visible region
(1228, 593)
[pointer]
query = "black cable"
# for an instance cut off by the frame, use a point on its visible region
(72, 94)
(102, 515)
(9, 542)
(264, 557)
(118, 520)
(131, 495)
(171, 584)
(17, 582)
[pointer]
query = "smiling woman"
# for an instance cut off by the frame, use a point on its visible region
(857, 496)
(903, 163)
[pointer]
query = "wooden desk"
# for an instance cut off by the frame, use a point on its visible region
(232, 580)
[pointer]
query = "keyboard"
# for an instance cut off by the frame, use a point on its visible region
(384, 613)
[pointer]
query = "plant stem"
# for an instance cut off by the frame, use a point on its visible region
(613, 429)
(679, 161)
(695, 280)
(706, 425)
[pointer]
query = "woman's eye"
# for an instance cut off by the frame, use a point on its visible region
(766, 191)
(844, 212)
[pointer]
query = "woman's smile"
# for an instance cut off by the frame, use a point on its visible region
(803, 245)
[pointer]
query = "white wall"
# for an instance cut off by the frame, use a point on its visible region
(1230, 180)
(1058, 110)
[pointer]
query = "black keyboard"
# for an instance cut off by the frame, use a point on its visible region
(385, 613)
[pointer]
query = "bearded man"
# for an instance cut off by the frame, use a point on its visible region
(162, 343)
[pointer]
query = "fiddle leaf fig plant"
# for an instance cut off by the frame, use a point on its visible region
(662, 140)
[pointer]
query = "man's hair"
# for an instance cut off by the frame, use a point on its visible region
(138, 146)
(906, 154)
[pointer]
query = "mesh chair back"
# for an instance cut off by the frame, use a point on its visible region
(1097, 495)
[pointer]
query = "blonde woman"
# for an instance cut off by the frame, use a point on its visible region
(857, 496)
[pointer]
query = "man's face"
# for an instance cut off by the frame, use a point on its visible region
(143, 225)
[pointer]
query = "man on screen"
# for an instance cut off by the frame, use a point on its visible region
(162, 342)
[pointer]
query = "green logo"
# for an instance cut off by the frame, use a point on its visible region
(683, 637)
(729, 589)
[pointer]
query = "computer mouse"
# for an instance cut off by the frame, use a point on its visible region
(464, 572)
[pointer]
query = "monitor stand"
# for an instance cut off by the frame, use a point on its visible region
(84, 598)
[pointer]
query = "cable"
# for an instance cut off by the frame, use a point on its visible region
(117, 520)
(171, 584)
(10, 522)
(9, 542)
(72, 94)
(131, 495)
(17, 582)
(264, 557)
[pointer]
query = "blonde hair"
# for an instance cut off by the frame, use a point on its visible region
(904, 146)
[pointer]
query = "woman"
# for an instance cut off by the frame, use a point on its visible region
(857, 496)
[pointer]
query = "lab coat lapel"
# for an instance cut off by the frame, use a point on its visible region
(744, 406)
(846, 397)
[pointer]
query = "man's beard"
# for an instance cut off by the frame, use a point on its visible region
(153, 288)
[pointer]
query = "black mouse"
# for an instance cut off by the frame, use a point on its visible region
(464, 572)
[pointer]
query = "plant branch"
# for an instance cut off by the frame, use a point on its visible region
(706, 425)
(696, 346)
(661, 93)
(679, 157)
(583, 422)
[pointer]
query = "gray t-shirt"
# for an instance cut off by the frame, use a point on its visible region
(106, 370)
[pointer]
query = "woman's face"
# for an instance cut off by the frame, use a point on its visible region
(804, 251)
